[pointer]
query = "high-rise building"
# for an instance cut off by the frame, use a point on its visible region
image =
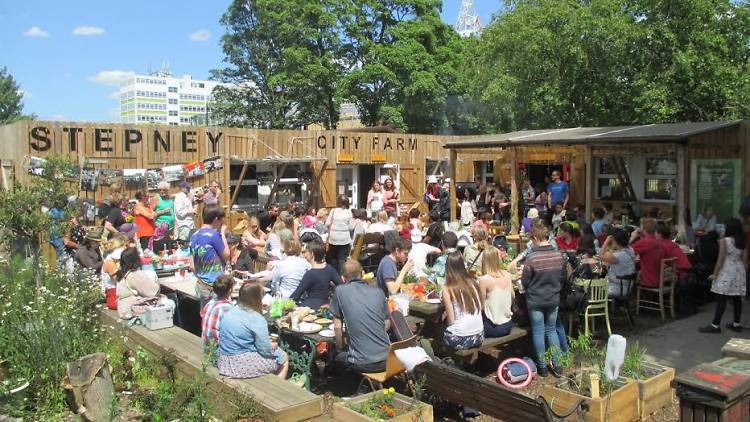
(163, 99)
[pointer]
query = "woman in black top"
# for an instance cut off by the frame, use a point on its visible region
(241, 259)
(314, 290)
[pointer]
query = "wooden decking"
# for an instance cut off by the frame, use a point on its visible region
(281, 400)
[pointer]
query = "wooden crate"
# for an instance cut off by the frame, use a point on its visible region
(655, 392)
(717, 392)
(619, 406)
(422, 413)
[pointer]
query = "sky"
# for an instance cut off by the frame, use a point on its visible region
(68, 56)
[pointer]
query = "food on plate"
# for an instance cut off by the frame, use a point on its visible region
(323, 321)
(302, 311)
(309, 318)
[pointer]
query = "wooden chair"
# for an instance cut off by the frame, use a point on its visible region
(622, 301)
(598, 304)
(368, 249)
(667, 283)
(393, 366)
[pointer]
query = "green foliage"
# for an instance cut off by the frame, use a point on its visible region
(378, 407)
(634, 358)
(11, 99)
(42, 328)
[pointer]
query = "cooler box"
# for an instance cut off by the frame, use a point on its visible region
(158, 316)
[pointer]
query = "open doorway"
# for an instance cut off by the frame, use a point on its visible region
(539, 174)
(367, 174)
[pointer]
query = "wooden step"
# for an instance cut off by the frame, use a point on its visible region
(281, 400)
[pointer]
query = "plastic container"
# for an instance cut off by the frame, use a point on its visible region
(401, 301)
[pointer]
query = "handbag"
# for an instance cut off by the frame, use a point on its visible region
(573, 297)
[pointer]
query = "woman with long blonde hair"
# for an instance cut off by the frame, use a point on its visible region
(252, 235)
(496, 290)
(473, 252)
(463, 306)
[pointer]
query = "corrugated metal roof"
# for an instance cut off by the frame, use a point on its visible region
(662, 132)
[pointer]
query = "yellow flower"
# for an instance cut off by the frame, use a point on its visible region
(385, 391)
(391, 390)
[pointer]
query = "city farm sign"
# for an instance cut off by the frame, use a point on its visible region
(104, 139)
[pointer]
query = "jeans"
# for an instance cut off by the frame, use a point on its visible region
(562, 338)
(721, 305)
(337, 255)
(494, 330)
(543, 325)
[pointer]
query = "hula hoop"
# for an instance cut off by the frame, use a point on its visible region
(518, 386)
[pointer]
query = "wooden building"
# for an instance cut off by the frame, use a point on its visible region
(259, 166)
(678, 169)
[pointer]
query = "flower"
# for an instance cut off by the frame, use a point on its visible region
(391, 390)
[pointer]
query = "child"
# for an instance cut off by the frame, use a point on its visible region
(310, 219)
(218, 305)
(729, 277)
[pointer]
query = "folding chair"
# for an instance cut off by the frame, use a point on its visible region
(393, 366)
(667, 283)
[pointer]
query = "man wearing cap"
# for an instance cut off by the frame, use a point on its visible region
(184, 212)
(164, 206)
(89, 255)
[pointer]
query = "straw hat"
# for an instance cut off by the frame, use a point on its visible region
(432, 179)
(95, 234)
(533, 213)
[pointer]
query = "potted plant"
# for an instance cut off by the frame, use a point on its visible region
(612, 401)
(386, 405)
(654, 381)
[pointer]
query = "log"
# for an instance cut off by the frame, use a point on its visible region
(89, 381)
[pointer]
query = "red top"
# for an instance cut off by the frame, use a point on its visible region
(672, 250)
(649, 248)
(145, 226)
(567, 246)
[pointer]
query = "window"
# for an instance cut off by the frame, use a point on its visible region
(173, 101)
(173, 123)
(608, 184)
(438, 168)
(172, 89)
(660, 182)
(172, 112)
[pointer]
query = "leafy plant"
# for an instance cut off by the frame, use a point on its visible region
(632, 365)
(379, 406)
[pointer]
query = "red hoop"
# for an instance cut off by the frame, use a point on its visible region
(521, 385)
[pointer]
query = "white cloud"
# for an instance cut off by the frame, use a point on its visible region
(111, 77)
(88, 30)
(36, 31)
(200, 35)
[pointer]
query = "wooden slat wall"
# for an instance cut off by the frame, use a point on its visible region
(406, 150)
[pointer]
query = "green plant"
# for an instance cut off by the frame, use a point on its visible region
(43, 327)
(247, 408)
(631, 366)
(379, 406)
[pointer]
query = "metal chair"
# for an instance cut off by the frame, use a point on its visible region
(393, 366)
(301, 352)
(667, 283)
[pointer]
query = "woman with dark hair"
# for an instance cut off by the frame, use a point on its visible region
(617, 254)
(144, 216)
(463, 306)
(567, 239)
(340, 224)
(375, 198)
(134, 285)
(245, 347)
(314, 290)
(729, 277)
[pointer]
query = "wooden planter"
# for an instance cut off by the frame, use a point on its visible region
(623, 402)
(420, 413)
(656, 391)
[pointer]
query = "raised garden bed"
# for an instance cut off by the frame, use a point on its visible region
(406, 409)
(654, 390)
(621, 405)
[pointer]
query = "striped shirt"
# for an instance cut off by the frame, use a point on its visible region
(210, 315)
(543, 274)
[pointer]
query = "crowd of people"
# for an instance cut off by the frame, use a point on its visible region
(308, 260)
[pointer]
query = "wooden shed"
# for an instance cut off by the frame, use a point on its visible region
(677, 168)
(258, 166)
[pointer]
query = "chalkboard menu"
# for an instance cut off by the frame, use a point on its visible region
(715, 183)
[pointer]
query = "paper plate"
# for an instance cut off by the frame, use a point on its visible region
(309, 327)
(434, 301)
(327, 333)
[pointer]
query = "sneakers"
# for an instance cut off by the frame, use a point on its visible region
(542, 372)
(710, 329)
(736, 328)
(556, 372)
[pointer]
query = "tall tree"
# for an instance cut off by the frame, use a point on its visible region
(11, 99)
(282, 70)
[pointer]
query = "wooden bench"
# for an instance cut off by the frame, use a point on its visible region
(489, 344)
(490, 398)
(280, 400)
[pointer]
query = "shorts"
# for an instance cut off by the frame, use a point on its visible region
(250, 364)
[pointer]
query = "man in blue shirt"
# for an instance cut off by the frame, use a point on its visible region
(210, 252)
(558, 191)
(598, 222)
(389, 278)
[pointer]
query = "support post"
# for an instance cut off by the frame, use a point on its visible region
(682, 188)
(453, 159)
(589, 180)
(239, 185)
(275, 187)
(513, 192)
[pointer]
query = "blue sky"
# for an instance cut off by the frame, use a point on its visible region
(68, 55)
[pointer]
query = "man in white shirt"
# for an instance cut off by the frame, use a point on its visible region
(419, 252)
(184, 212)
